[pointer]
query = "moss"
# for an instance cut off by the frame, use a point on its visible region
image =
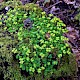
(18, 4)
(68, 67)
(10, 3)
(31, 7)
(8, 66)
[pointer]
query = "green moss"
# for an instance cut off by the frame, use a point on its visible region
(18, 4)
(9, 67)
(31, 7)
(68, 67)
(10, 3)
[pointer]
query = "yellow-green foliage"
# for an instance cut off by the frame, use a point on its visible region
(31, 7)
(10, 3)
(67, 65)
(18, 4)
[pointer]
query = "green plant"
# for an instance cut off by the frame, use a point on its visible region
(14, 19)
(9, 68)
(12, 3)
(16, 15)
(42, 46)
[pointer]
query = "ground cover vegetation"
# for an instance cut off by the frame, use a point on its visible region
(40, 47)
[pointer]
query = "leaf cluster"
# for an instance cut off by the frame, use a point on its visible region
(13, 19)
(41, 47)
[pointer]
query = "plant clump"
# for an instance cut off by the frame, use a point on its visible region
(10, 3)
(13, 19)
(42, 46)
(9, 67)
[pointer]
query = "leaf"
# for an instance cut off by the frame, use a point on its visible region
(59, 55)
(55, 62)
(23, 67)
(17, 56)
(0, 23)
(39, 70)
(50, 56)
(27, 69)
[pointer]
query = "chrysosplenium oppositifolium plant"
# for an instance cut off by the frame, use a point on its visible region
(41, 44)
(13, 19)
